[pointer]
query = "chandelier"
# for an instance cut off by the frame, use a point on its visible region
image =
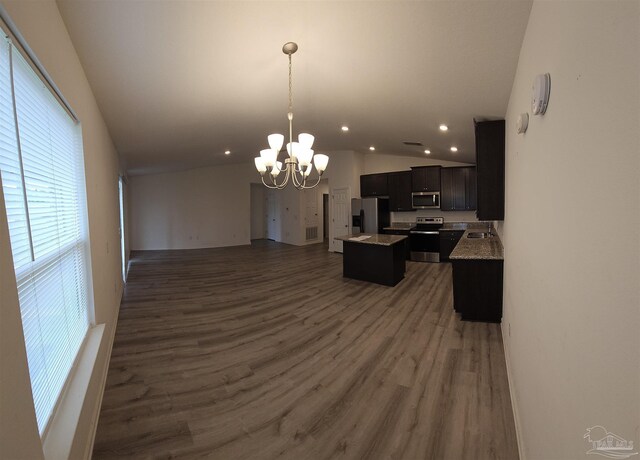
(301, 159)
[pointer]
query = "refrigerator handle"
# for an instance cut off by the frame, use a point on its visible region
(362, 221)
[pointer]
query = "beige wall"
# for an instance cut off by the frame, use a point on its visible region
(572, 268)
(211, 207)
(258, 211)
(199, 208)
(41, 25)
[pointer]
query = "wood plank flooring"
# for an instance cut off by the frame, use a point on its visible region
(266, 351)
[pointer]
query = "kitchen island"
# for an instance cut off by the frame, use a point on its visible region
(373, 257)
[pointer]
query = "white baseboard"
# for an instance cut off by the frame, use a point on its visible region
(514, 401)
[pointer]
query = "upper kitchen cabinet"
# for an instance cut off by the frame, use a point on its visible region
(458, 189)
(490, 169)
(399, 191)
(374, 185)
(425, 178)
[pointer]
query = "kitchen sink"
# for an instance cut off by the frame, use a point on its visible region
(479, 235)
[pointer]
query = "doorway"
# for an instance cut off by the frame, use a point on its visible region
(325, 216)
(270, 214)
(341, 214)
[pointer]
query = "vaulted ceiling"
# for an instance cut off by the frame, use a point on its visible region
(179, 82)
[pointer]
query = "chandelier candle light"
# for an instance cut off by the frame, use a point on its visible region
(298, 166)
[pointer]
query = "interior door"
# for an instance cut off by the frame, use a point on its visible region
(271, 214)
(341, 213)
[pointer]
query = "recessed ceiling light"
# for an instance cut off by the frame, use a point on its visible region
(444, 128)
(454, 149)
(227, 152)
(345, 128)
(427, 152)
(372, 148)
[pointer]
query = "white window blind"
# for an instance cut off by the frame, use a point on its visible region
(41, 163)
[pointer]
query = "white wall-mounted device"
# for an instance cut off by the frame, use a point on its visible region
(522, 123)
(540, 96)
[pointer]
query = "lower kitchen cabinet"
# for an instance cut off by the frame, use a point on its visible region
(407, 247)
(448, 240)
(477, 289)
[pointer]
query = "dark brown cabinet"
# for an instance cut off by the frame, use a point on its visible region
(399, 185)
(490, 169)
(425, 178)
(407, 248)
(477, 289)
(458, 189)
(448, 241)
(374, 185)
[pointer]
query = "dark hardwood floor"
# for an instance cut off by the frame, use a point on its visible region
(266, 351)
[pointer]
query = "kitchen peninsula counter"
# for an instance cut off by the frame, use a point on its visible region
(373, 257)
(478, 248)
(478, 266)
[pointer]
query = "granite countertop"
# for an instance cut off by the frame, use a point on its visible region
(381, 240)
(478, 248)
(400, 226)
(461, 226)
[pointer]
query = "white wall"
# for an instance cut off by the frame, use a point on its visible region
(199, 208)
(572, 284)
(41, 25)
(344, 170)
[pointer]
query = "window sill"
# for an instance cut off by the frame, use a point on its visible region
(65, 430)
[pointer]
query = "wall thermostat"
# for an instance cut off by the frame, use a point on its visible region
(522, 123)
(540, 96)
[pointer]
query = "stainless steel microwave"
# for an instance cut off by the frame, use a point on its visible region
(425, 200)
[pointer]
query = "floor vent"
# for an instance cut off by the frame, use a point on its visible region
(312, 233)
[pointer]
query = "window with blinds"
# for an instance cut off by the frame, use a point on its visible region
(41, 164)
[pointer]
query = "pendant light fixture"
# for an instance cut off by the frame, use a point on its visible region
(301, 159)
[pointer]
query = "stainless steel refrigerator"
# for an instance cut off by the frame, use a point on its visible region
(375, 214)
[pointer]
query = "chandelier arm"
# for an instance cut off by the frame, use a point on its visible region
(283, 184)
(314, 185)
(274, 182)
(296, 181)
(265, 184)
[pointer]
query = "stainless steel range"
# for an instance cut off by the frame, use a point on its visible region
(424, 239)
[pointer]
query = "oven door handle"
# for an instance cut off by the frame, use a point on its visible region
(420, 232)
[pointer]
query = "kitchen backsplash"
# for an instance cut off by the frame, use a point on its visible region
(449, 216)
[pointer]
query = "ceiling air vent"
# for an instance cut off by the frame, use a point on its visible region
(416, 144)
